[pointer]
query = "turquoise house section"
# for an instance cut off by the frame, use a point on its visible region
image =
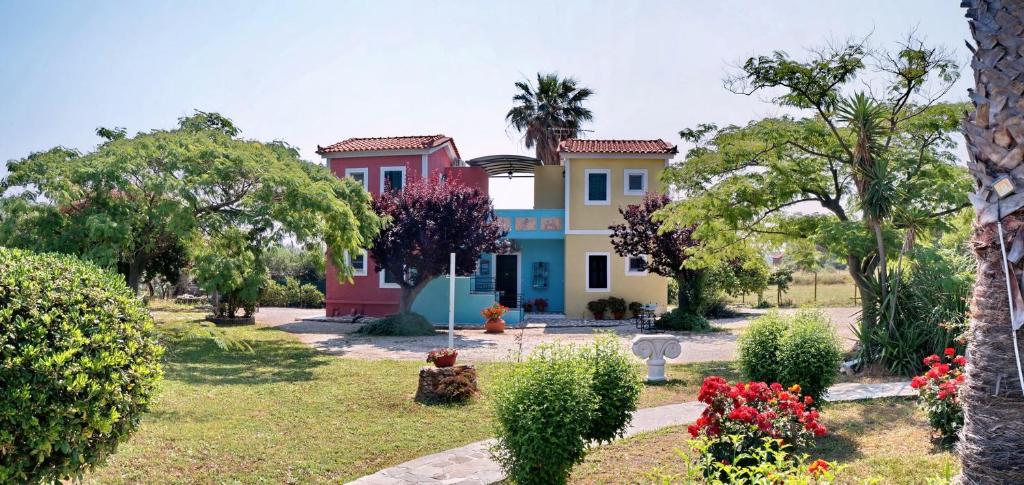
(543, 266)
(432, 303)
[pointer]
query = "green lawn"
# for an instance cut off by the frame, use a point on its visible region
(882, 441)
(835, 289)
(287, 413)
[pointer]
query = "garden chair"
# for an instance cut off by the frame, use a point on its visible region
(644, 319)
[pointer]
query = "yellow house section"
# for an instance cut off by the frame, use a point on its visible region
(589, 217)
(548, 187)
(648, 288)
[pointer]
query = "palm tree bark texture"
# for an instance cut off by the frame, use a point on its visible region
(991, 445)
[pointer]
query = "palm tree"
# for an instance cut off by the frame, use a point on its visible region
(548, 112)
(991, 444)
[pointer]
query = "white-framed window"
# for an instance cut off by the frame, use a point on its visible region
(636, 265)
(388, 280)
(634, 181)
(599, 274)
(597, 188)
(361, 175)
(392, 178)
(357, 263)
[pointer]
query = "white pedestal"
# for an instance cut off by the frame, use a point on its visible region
(655, 348)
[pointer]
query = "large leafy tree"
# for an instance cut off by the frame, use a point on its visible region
(991, 443)
(853, 171)
(427, 222)
(134, 202)
(548, 112)
(676, 254)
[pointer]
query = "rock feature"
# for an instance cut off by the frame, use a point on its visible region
(654, 348)
(446, 384)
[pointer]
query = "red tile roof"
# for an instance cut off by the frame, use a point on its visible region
(576, 145)
(422, 142)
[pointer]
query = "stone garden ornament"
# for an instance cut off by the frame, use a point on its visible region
(655, 348)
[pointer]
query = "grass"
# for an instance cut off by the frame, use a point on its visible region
(835, 289)
(287, 413)
(881, 441)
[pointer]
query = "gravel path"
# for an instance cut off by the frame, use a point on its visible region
(476, 346)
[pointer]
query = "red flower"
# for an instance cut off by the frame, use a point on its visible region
(918, 382)
(931, 359)
(950, 351)
(960, 360)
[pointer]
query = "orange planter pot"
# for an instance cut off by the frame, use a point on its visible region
(494, 325)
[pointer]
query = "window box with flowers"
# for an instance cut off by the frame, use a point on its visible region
(493, 314)
(939, 394)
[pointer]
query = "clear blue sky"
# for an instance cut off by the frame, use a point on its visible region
(318, 72)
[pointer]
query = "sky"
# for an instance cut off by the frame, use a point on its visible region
(314, 73)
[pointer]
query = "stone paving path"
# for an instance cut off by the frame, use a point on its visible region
(472, 464)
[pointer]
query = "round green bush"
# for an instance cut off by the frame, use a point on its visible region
(759, 345)
(543, 408)
(682, 320)
(810, 354)
(616, 385)
(79, 365)
(399, 325)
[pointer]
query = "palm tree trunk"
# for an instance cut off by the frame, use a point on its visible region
(991, 443)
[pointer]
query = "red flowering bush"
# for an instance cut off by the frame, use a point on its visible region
(938, 391)
(739, 417)
(494, 311)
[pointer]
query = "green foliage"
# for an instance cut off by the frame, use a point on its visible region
(809, 353)
(228, 267)
(79, 365)
(616, 385)
(681, 320)
(800, 349)
(635, 307)
(616, 304)
(290, 294)
(549, 111)
(598, 306)
(758, 348)
(306, 265)
(399, 325)
(673, 292)
(543, 408)
(768, 464)
(133, 199)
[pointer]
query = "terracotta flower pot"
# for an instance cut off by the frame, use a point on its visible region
(494, 325)
(598, 315)
(619, 315)
(446, 361)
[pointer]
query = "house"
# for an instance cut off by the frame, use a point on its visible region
(561, 253)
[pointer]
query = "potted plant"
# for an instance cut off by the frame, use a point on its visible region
(443, 357)
(635, 307)
(541, 304)
(528, 306)
(598, 307)
(493, 313)
(618, 307)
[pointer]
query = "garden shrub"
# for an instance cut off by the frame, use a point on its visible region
(543, 409)
(682, 320)
(456, 388)
(399, 325)
(290, 294)
(616, 385)
(758, 347)
(939, 390)
(616, 305)
(598, 308)
(738, 418)
(802, 349)
(79, 365)
(809, 353)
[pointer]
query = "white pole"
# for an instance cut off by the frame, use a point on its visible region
(451, 303)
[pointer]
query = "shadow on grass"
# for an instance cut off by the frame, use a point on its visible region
(201, 361)
(848, 421)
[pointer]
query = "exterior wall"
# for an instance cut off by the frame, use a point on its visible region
(598, 217)
(432, 303)
(552, 252)
(648, 288)
(548, 187)
(364, 294)
(470, 176)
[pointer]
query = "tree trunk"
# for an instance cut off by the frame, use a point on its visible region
(135, 268)
(991, 446)
(409, 295)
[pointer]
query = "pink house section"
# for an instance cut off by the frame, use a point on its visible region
(433, 157)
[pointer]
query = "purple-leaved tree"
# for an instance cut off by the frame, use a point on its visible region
(427, 222)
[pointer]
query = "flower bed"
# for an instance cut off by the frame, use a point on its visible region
(938, 391)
